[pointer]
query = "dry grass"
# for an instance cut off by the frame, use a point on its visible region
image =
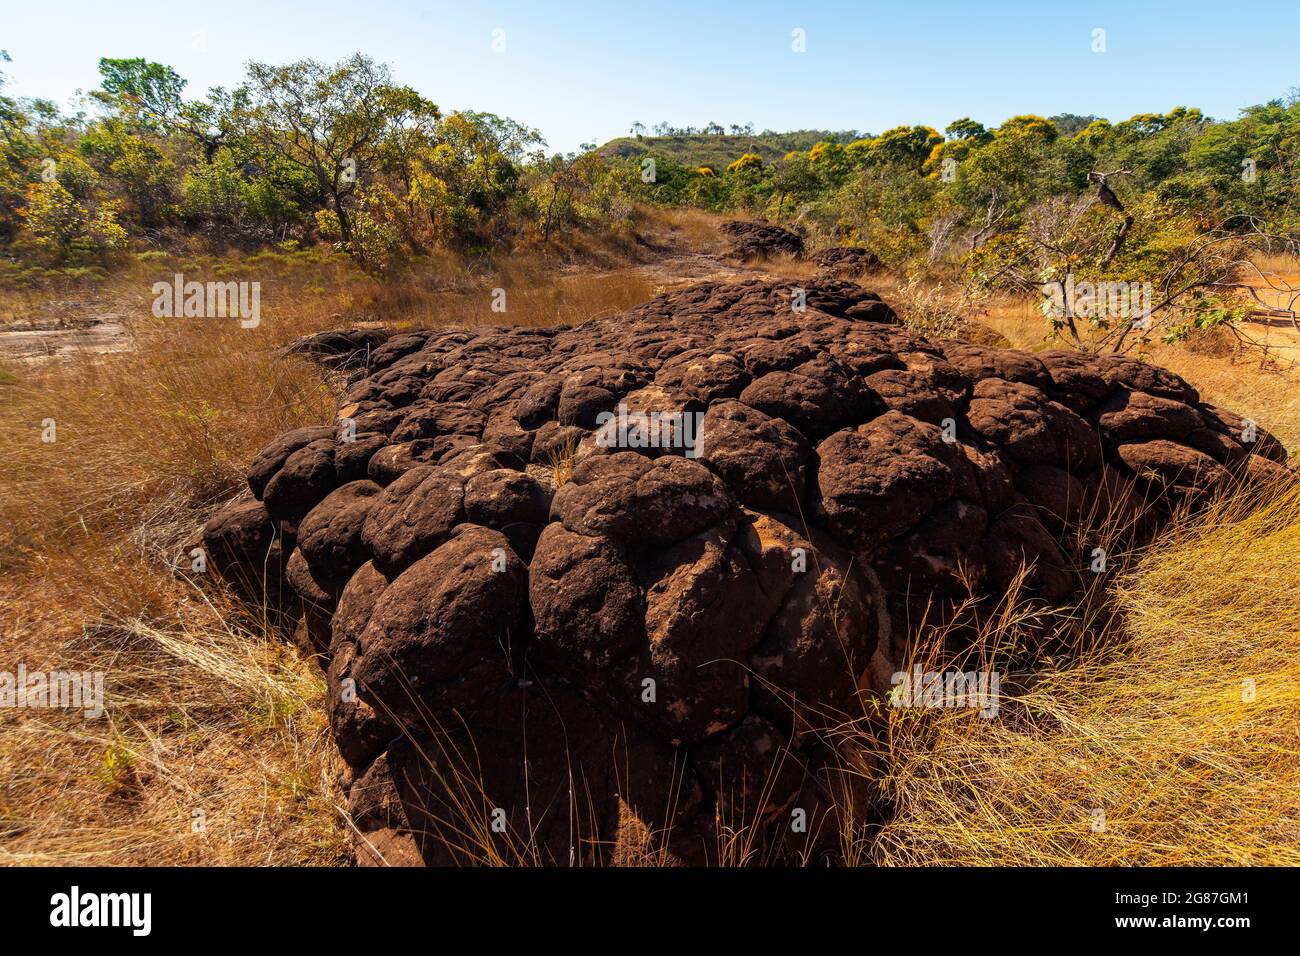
(1174, 741)
(1264, 386)
(212, 750)
(206, 711)
(1146, 736)
(322, 290)
(938, 312)
(531, 297)
(209, 710)
(560, 463)
(1250, 384)
(693, 231)
(1277, 264)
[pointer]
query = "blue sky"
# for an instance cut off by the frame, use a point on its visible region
(586, 70)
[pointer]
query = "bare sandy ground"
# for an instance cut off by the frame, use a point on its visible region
(39, 342)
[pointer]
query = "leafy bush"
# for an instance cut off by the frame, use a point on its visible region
(61, 224)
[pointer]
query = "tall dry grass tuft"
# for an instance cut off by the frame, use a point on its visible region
(210, 717)
(210, 712)
(1174, 740)
(212, 748)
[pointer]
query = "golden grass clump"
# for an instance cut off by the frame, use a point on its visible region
(208, 711)
(213, 747)
(1174, 741)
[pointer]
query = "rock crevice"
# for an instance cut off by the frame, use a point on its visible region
(530, 630)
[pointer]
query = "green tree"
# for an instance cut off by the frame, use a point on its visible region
(133, 166)
(749, 162)
(154, 88)
(465, 177)
(794, 178)
(907, 146)
(967, 129)
(331, 122)
(1029, 127)
(16, 152)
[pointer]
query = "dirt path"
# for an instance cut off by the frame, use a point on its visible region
(1276, 333)
(677, 271)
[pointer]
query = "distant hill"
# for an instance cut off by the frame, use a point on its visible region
(705, 149)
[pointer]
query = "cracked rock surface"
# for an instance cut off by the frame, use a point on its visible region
(751, 239)
(537, 622)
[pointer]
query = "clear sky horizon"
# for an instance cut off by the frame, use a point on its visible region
(584, 71)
